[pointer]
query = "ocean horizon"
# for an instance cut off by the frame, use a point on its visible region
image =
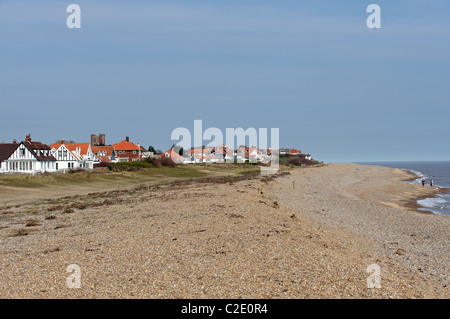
(438, 171)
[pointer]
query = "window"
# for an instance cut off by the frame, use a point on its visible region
(134, 152)
(22, 152)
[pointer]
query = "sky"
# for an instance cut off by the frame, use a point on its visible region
(335, 88)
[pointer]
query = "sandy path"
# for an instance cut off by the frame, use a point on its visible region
(249, 239)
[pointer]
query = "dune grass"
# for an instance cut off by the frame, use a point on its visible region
(124, 174)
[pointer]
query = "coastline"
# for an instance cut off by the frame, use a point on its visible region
(424, 192)
(311, 233)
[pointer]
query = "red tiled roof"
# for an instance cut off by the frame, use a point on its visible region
(198, 151)
(104, 159)
(83, 147)
(126, 146)
(103, 149)
(173, 154)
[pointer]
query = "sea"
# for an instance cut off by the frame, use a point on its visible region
(439, 172)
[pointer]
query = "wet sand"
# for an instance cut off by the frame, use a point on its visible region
(310, 234)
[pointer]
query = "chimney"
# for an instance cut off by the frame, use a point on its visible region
(28, 138)
(63, 141)
(14, 141)
(127, 139)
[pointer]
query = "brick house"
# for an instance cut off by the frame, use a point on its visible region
(127, 151)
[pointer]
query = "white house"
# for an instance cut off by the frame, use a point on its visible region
(26, 157)
(65, 158)
(74, 155)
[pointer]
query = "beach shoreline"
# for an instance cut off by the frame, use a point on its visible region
(427, 192)
(311, 233)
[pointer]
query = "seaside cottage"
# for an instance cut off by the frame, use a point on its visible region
(74, 155)
(26, 157)
(127, 151)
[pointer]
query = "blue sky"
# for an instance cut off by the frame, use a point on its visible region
(334, 88)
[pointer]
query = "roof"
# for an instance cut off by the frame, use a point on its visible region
(198, 151)
(84, 147)
(173, 154)
(108, 150)
(33, 146)
(55, 146)
(104, 159)
(7, 149)
(126, 146)
(205, 156)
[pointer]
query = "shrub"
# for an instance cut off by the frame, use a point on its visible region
(129, 166)
(298, 161)
(168, 162)
(155, 161)
(158, 162)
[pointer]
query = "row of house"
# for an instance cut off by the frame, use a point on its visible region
(223, 153)
(35, 157)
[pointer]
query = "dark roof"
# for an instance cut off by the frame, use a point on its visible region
(6, 150)
(32, 146)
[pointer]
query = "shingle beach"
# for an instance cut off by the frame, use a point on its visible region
(311, 233)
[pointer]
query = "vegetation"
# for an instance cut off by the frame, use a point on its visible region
(125, 173)
(290, 160)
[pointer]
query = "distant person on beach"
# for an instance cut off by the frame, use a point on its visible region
(431, 183)
(423, 181)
